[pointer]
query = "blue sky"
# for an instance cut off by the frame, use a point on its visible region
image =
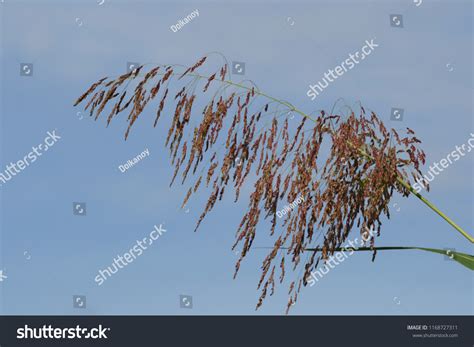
(407, 70)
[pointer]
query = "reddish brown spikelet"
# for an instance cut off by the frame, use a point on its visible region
(194, 67)
(89, 91)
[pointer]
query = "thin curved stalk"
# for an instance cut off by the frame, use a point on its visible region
(464, 259)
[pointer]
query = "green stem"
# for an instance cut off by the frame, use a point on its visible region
(435, 209)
